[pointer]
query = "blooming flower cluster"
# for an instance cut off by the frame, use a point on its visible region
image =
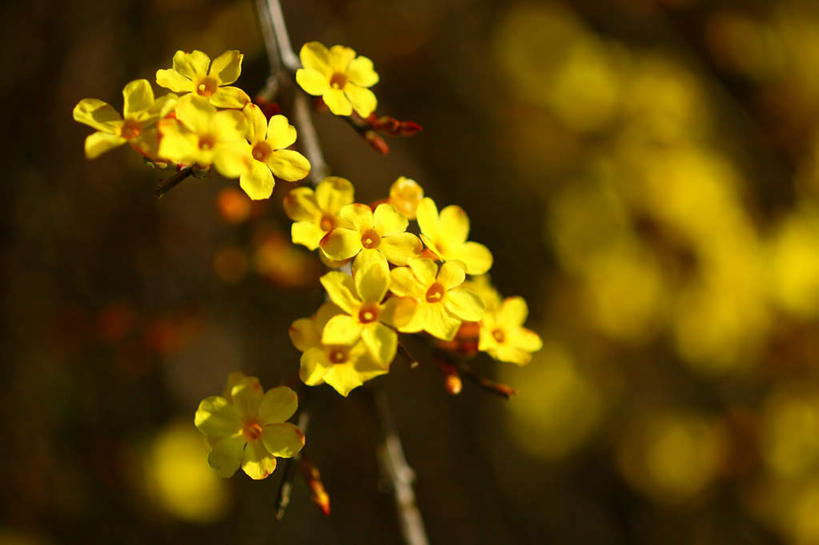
(397, 281)
(208, 123)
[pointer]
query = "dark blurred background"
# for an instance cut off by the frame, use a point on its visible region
(646, 173)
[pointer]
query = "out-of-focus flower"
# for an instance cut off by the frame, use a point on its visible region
(503, 336)
(405, 196)
(248, 428)
(267, 154)
(190, 74)
(316, 213)
(482, 285)
(342, 367)
(366, 318)
(382, 231)
(443, 303)
(338, 77)
(446, 233)
(233, 206)
(137, 125)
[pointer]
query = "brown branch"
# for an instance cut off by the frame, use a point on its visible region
(496, 388)
(166, 185)
(286, 484)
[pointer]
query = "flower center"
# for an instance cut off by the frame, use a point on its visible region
(206, 142)
(261, 151)
(338, 80)
(337, 355)
(368, 313)
(327, 223)
(435, 293)
(130, 129)
(252, 430)
(206, 86)
(370, 239)
(499, 335)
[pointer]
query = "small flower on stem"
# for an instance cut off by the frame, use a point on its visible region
(316, 213)
(446, 233)
(190, 75)
(503, 336)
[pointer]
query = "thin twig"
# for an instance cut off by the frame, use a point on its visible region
(496, 388)
(173, 181)
(286, 484)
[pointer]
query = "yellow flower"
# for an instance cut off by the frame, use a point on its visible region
(315, 213)
(484, 288)
(383, 231)
(190, 75)
(360, 296)
(248, 428)
(503, 336)
(201, 135)
(342, 367)
(338, 77)
(443, 303)
(136, 127)
(405, 196)
(446, 234)
(267, 153)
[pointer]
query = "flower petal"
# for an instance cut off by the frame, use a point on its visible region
(440, 323)
(427, 216)
(360, 72)
(173, 80)
(289, 165)
(233, 159)
(313, 366)
(363, 100)
(307, 234)
(341, 329)
(451, 275)
(372, 277)
(341, 291)
(97, 114)
(99, 142)
(404, 283)
(344, 378)
(228, 126)
(454, 226)
(256, 123)
(513, 312)
(401, 247)
(475, 256)
(381, 341)
(229, 97)
(191, 65)
(312, 81)
(278, 404)
(314, 56)
(226, 455)
(340, 58)
(195, 113)
(388, 221)
(360, 215)
(333, 193)
(177, 143)
(398, 311)
(280, 133)
(512, 355)
(425, 270)
(300, 204)
(525, 339)
(341, 243)
(465, 304)
(337, 101)
(257, 463)
(304, 335)
(283, 440)
(137, 97)
(217, 418)
(247, 395)
(227, 67)
(257, 181)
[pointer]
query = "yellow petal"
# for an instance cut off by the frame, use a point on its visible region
(405, 284)
(454, 226)
(256, 123)
(427, 216)
(233, 159)
(229, 97)
(288, 165)
(227, 67)
(161, 107)
(341, 291)
(425, 270)
(177, 144)
(388, 221)
(451, 275)
(381, 341)
(341, 330)
(440, 323)
(476, 257)
(195, 113)
(360, 215)
(525, 339)
(99, 142)
(300, 204)
(360, 72)
(247, 395)
(312, 81)
(372, 279)
(333, 193)
(341, 243)
(432, 246)
(217, 418)
(257, 463)
(257, 181)
(325, 312)
(401, 247)
(337, 101)
(280, 133)
(226, 455)
(465, 304)
(173, 80)
(307, 234)
(398, 311)
(340, 58)
(137, 97)
(313, 366)
(363, 100)
(283, 440)
(228, 126)
(278, 404)
(191, 65)
(314, 55)
(512, 355)
(303, 334)
(513, 312)
(97, 114)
